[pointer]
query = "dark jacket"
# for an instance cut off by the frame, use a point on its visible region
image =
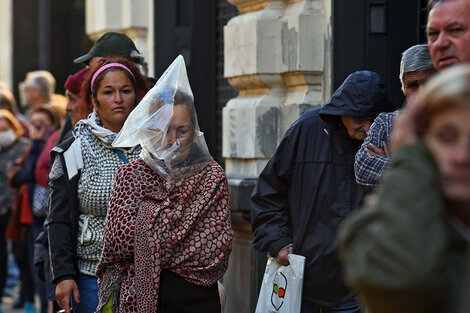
(26, 175)
(8, 156)
(63, 220)
(309, 187)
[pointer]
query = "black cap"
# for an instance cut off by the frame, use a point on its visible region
(111, 44)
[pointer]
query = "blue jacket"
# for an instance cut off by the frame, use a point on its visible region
(308, 187)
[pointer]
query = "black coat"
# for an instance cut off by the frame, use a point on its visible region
(309, 187)
(62, 227)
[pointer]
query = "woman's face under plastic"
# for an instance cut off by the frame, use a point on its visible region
(448, 138)
(181, 128)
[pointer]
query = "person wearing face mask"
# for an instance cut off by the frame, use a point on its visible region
(80, 181)
(44, 122)
(172, 230)
(12, 147)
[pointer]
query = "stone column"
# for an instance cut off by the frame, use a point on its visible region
(132, 17)
(277, 54)
(6, 42)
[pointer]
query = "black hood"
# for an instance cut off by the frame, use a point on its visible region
(362, 94)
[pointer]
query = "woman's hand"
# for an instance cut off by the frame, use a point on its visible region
(64, 291)
(282, 256)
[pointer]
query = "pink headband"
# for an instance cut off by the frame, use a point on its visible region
(106, 66)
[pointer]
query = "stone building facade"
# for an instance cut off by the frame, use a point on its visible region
(278, 57)
(132, 17)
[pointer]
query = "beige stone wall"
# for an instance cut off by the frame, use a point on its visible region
(6, 42)
(132, 17)
(277, 54)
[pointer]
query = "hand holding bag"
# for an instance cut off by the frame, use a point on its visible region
(281, 290)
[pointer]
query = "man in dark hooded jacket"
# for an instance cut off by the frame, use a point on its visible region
(308, 188)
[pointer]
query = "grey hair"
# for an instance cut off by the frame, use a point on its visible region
(415, 59)
(433, 3)
(42, 80)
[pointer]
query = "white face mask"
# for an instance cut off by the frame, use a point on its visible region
(7, 137)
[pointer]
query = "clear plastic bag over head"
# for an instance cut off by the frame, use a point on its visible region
(165, 124)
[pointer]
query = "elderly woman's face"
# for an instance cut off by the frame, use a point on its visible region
(180, 128)
(448, 138)
(115, 99)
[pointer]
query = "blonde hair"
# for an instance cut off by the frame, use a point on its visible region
(59, 103)
(13, 121)
(449, 89)
(7, 100)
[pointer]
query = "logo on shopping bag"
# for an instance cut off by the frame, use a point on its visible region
(279, 290)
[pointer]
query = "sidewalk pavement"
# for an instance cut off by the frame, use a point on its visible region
(7, 303)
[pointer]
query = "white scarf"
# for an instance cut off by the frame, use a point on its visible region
(94, 125)
(7, 137)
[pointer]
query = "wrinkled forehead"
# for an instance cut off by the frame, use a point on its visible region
(420, 76)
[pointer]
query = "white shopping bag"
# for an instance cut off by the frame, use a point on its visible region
(281, 290)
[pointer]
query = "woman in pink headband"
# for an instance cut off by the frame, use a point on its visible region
(81, 178)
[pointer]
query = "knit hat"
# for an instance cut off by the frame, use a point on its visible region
(74, 81)
(112, 44)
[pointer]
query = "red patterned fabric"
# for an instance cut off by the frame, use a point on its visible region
(154, 225)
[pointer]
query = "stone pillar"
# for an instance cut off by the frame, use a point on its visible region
(277, 54)
(6, 42)
(132, 17)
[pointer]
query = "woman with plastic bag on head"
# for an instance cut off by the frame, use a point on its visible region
(168, 228)
(81, 177)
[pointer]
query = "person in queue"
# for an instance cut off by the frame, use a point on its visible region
(39, 86)
(8, 102)
(32, 211)
(295, 207)
(374, 155)
(114, 44)
(405, 250)
(448, 32)
(76, 111)
(12, 147)
(80, 181)
(172, 230)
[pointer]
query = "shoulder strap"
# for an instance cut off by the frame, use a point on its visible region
(121, 156)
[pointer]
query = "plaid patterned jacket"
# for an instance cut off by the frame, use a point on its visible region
(368, 169)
